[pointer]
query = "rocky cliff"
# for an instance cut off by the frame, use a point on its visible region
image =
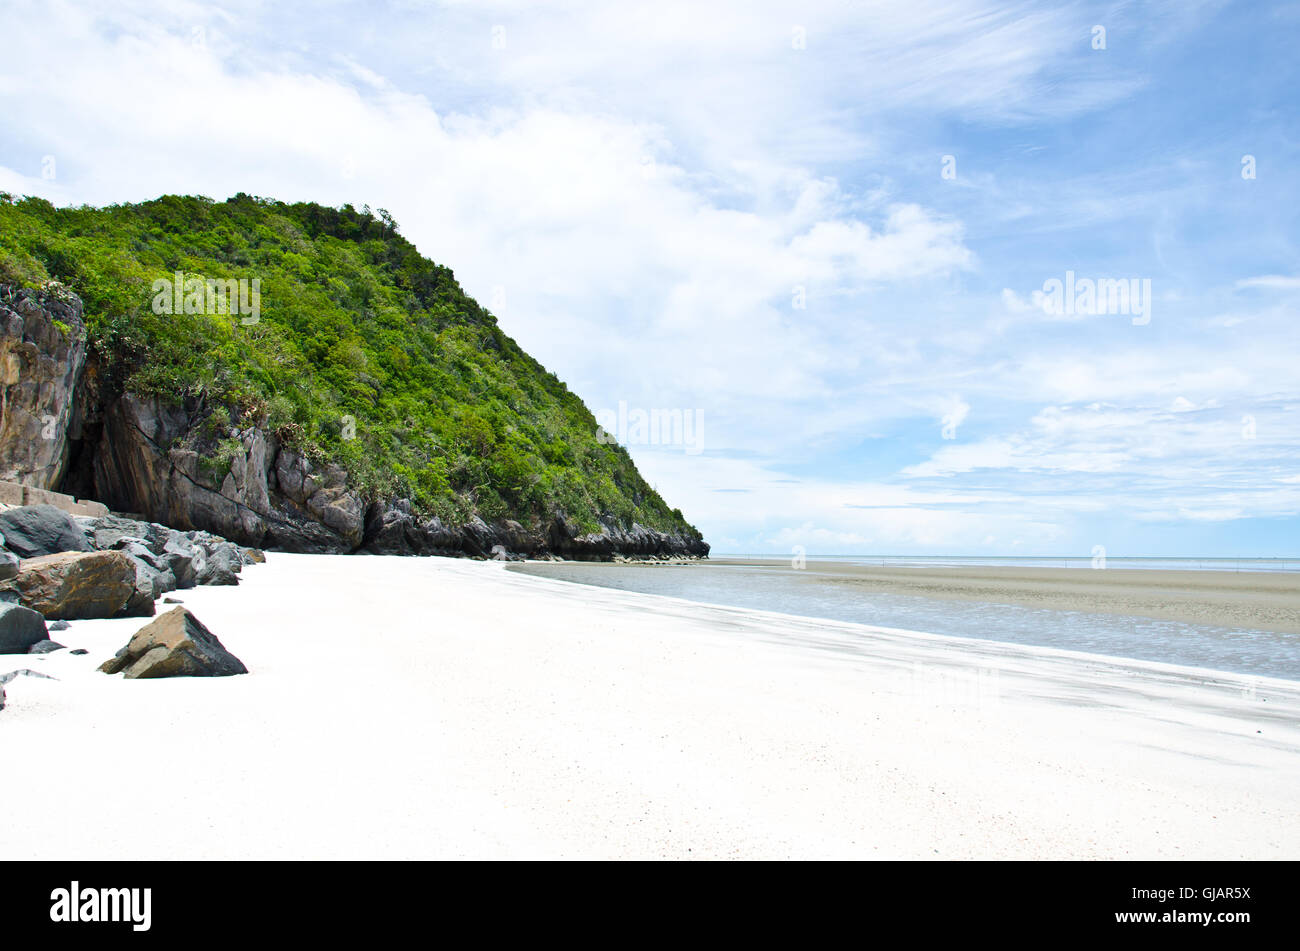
(61, 429)
(42, 354)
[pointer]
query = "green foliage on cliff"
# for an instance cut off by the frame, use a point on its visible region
(364, 353)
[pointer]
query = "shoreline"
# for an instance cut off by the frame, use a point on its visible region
(960, 643)
(1264, 600)
(442, 708)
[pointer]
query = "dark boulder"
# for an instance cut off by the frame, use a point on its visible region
(20, 628)
(31, 531)
(73, 585)
(175, 644)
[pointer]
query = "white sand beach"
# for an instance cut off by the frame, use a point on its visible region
(435, 708)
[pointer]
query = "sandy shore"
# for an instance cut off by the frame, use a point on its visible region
(431, 708)
(1247, 600)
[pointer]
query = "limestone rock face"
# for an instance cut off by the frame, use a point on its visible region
(175, 644)
(75, 585)
(272, 497)
(42, 355)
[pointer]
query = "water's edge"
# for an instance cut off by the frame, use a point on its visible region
(1259, 653)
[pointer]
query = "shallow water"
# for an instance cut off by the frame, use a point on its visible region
(1058, 561)
(805, 593)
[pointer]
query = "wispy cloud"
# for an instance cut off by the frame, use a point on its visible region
(742, 208)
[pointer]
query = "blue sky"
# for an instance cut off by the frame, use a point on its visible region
(644, 194)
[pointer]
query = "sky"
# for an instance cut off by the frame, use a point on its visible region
(837, 237)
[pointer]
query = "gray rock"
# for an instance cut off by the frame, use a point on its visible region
(20, 628)
(153, 579)
(175, 644)
(137, 548)
(45, 647)
(148, 587)
(79, 651)
(8, 565)
(113, 531)
(34, 530)
(179, 555)
(60, 626)
(218, 565)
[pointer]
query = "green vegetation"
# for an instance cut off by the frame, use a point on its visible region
(365, 354)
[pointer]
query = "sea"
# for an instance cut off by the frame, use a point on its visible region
(805, 593)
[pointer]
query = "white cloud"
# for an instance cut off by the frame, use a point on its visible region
(1272, 282)
(658, 188)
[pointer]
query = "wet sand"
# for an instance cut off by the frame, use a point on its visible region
(1246, 600)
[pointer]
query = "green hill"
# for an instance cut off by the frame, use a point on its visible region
(359, 353)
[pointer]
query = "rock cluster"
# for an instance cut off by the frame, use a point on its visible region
(96, 567)
(393, 529)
